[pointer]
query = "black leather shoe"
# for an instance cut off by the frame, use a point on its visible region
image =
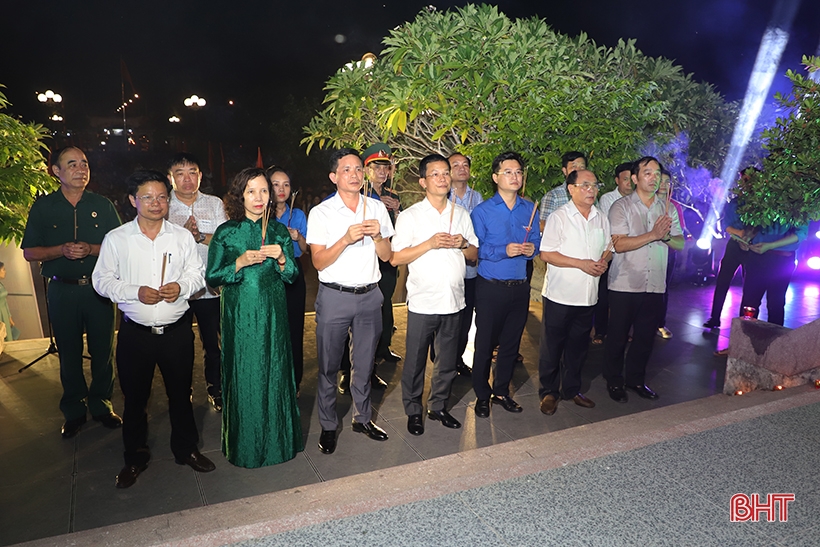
(128, 475)
(72, 427)
(376, 382)
(507, 402)
(216, 402)
(444, 417)
(390, 357)
(110, 420)
(415, 425)
(618, 394)
(643, 392)
(371, 430)
(482, 408)
(344, 383)
(712, 324)
(197, 462)
(463, 369)
(327, 441)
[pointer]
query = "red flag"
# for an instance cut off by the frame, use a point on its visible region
(126, 76)
(259, 163)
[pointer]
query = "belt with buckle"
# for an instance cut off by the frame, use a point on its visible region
(81, 281)
(506, 282)
(361, 289)
(162, 329)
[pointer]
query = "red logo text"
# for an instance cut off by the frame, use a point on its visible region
(775, 508)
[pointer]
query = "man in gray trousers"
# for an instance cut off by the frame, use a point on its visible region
(434, 237)
(347, 234)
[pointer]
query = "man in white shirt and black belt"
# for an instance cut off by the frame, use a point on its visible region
(348, 233)
(200, 214)
(150, 267)
(434, 239)
(573, 246)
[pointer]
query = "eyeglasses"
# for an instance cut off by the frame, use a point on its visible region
(150, 199)
(588, 186)
(511, 172)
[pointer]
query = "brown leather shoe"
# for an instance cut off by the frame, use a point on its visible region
(549, 404)
(580, 400)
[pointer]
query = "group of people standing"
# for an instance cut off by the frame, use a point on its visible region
(235, 264)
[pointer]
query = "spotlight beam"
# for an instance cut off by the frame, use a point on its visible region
(768, 58)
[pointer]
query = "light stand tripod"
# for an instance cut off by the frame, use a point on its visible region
(52, 347)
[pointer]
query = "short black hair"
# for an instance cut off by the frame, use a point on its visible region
(58, 154)
(569, 157)
(339, 154)
(626, 166)
(636, 167)
(665, 171)
(143, 176)
(504, 156)
(469, 161)
(427, 160)
(183, 158)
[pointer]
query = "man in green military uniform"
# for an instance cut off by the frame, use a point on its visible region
(64, 232)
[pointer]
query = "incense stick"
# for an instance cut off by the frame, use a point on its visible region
(265, 220)
(364, 201)
(292, 200)
(162, 275)
(608, 251)
(452, 210)
(668, 197)
(532, 217)
(524, 182)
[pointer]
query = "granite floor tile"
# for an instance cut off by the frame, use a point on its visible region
(34, 505)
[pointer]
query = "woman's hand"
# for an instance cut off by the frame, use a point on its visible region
(251, 257)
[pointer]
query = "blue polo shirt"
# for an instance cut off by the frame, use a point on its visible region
(297, 221)
(495, 226)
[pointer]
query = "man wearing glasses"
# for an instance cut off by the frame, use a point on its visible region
(574, 247)
(507, 241)
(150, 267)
(644, 228)
(64, 232)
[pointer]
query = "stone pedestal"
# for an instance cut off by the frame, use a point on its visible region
(763, 355)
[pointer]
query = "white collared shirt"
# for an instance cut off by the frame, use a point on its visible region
(129, 260)
(435, 280)
(605, 202)
(643, 269)
(328, 223)
(209, 212)
(569, 233)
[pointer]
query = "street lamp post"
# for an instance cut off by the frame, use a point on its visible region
(55, 100)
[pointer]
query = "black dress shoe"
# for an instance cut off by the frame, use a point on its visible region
(327, 441)
(72, 427)
(712, 324)
(376, 382)
(216, 401)
(507, 402)
(110, 420)
(618, 394)
(371, 430)
(643, 392)
(415, 425)
(197, 462)
(463, 369)
(444, 417)
(344, 383)
(390, 357)
(482, 408)
(128, 475)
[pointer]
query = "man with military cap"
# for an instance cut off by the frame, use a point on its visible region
(64, 232)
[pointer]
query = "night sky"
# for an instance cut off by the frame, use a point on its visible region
(256, 53)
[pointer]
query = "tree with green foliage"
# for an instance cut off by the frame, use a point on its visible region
(473, 80)
(23, 172)
(787, 190)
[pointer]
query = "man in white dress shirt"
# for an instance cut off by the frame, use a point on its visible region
(200, 214)
(150, 267)
(348, 234)
(573, 246)
(434, 237)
